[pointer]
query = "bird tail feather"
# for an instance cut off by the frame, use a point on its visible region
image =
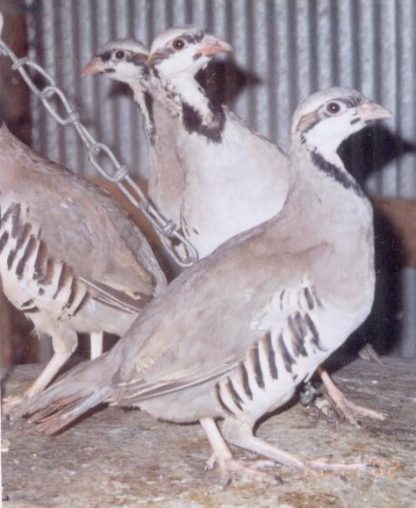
(81, 389)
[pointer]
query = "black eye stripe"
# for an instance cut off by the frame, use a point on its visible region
(352, 102)
(192, 38)
(168, 51)
(105, 56)
(139, 59)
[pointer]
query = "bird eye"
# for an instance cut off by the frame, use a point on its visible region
(120, 55)
(333, 108)
(178, 44)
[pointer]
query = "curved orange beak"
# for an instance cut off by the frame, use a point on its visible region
(94, 66)
(370, 111)
(210, 46)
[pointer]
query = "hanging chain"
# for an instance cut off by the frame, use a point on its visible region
(167, 230)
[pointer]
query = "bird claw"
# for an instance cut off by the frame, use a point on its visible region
(368, 353)
(352, 412)
(374, 467)
(345, 407)
(246, 472)
(210, 463)
(323, 466)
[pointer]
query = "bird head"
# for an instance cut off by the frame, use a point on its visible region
(123, 60)
(328, 117)
(184, 51)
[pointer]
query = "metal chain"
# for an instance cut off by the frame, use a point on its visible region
(167, 230)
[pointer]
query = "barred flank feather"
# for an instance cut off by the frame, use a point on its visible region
(25, 263)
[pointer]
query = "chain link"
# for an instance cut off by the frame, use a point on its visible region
(167, 230)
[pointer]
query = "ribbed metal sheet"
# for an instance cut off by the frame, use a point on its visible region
(291, 47)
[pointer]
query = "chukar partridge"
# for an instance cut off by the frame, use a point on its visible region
(246, 325)
(125, 60)
(70, 258)
(229, 178)
(234, 178)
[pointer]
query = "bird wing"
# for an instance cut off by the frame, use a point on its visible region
(111, 297)
(81, 224)
(41, 281)
(208, 327)
(166, 174)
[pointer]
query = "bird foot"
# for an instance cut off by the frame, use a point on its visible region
(230, 468)
(374, 467)
(248, 472)
(353, 412)
(321, 465)
(370, 354)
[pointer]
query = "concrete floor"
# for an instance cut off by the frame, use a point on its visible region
(119, 458)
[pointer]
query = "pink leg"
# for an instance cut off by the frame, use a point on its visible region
(240, 434)
(223, 457)
(350, 410)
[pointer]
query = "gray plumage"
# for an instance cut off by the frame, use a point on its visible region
(209, 172)
(70, 257)
(234, 177)
(246, 325)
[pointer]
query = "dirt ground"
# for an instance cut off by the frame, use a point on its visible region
(117, 458)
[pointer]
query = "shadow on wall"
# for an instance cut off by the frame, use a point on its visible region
(225, 80)
(371, 149)
(367, 152)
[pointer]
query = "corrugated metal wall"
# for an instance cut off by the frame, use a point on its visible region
(283, 50)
